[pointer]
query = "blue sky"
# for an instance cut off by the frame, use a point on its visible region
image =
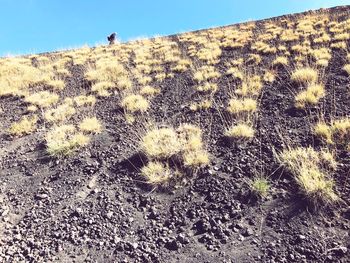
(32, 26)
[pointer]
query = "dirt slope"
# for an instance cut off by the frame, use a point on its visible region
(94, 206)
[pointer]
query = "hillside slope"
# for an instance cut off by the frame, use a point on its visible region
(222, 145)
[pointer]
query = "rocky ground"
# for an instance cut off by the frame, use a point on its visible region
(94, 206)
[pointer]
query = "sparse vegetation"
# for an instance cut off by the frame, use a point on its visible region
(135, 103)
(310, 96)
(156, 173)
(304, 76)
(42, 99)
(313, 173)
(161, 143)
(260, 186)
(64, 140)
(90, 125)
(240, 131)
(24, 126)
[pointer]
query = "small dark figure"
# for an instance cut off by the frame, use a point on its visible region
(112, 38)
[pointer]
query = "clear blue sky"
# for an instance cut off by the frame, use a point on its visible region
(32, 26)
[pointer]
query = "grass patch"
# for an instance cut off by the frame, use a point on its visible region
(135, 103)
(24, 126)
(42, 99)
(260, 186)
(240, 131)
(161, 143)
(90, 125)
(305, 76)
(64, 140)
(310, 96)
(312, 170)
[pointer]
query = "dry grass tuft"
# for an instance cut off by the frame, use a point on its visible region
(149, 91)
(312, 170)
(135, 103)
(283, 61)
(260, 186)
(64, 140)
(156, 173)
(161, 143)
(42, 99)
(240, 131)
(90, 125)
(61, 113)
(310, 96)
(347, 69)
(245, 105)
(83, 100)
(304, 76)
(24, 126)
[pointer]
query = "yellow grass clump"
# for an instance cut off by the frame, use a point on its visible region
(240, 131)
(135, 103)
(304, 76)
(347, 69)
(245, 105)
(149, 91)
(61, 113)
(42, 99)
(207, 87)
(24, 126)
(160, 143)
(90, 125)
(338, 131)
(201, 105)
(280, 61)
(83, 100)
(63, 140)
(310, 96)
(235, 73)
(18, 74)
(312, 170)
(156, 172)
(250, 86)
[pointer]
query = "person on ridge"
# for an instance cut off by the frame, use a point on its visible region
(112, 38)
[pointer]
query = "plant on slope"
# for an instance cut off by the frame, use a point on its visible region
(283, 61)
(347, 69)
(240, 131)
(149, 91)
(304, 76)
(245, 105)
(156, 173)
(312, 170)
(161, 143)
(235, 73)
(61, 113)
(83, 100)
(260, 186)
(90, 125)
(108, 74)
(310, 96)
(338, 132)
(64, 140)
(42, 99)
(24, 126)
(193, 153)
(135, 103)
(321, 56)
(251, 86)
(339, 45)
(313, 92)
(269, 76)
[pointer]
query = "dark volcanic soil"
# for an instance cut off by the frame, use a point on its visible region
(94, 206)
